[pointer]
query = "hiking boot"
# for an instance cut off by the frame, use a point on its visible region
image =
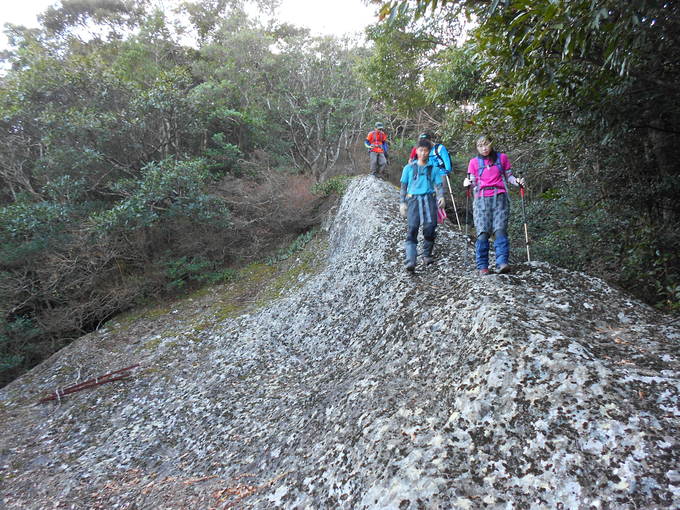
(483, 272)
(504, 269)
(410, 267)
(428, 260)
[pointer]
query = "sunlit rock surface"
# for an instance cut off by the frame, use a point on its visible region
(367, 388)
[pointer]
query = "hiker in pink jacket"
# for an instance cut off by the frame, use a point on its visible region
(489, 173)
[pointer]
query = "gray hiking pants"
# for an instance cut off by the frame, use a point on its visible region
(422, 212)
(378, 162)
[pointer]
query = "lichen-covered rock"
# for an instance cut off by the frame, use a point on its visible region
(367, 388)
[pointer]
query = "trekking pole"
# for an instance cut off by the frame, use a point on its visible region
(524, 215)
(454, 203)
(467, 208)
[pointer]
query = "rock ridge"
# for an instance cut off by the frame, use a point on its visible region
(367, 388)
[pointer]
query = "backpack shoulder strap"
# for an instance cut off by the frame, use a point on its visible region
(437, 147)
(480, 166)
(414, 170)
(503, 176)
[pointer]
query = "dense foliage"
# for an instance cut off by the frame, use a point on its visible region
(141, 155)
(584, 96)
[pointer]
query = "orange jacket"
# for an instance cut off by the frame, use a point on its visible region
(375, 140)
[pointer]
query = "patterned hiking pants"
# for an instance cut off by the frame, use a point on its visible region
(491, 218)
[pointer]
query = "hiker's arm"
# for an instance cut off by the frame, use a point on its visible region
(507, 169)
(403, 207)
(439, 191)
(471, 180)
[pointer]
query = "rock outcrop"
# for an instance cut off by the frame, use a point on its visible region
(365, 387)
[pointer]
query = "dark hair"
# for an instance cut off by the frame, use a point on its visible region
(424, 142)
(426, 136)
(485, 140)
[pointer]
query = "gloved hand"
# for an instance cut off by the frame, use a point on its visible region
(520, 181)
(466, 182)
(403, 209)
(441, 202)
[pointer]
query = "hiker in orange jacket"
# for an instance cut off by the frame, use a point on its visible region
(376, 143)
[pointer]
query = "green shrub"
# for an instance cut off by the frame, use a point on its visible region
(29, 220)
(17, 347)
(334, 186)
(221, 157)
(184, 270)
(166, 190)
(572, 228)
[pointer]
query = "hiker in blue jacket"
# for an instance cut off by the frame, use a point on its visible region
(439, 156)
(422, 193)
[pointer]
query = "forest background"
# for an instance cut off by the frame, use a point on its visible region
(147, 152)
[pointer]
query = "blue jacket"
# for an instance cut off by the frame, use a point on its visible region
(419, 180)
(440, 157)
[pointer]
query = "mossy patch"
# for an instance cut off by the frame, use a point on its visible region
(228, 310)
(203, 325)
(202, 292)
(288, 280)
(150, 345)
(256, 272)
(154, 313)
(258, 284)
(124, 321)
(65, 370)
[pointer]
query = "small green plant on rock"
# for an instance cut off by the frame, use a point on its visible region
(334, 186)
(297, 245)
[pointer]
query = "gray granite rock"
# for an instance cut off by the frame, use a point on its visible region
(365, 387)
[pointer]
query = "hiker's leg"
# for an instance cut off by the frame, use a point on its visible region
(501, 246)
(482, 251)
(382, 162)
(483, 216)
(500, 228)
(374, 162)
(483, 211)
(411, 244)
(429, 224)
